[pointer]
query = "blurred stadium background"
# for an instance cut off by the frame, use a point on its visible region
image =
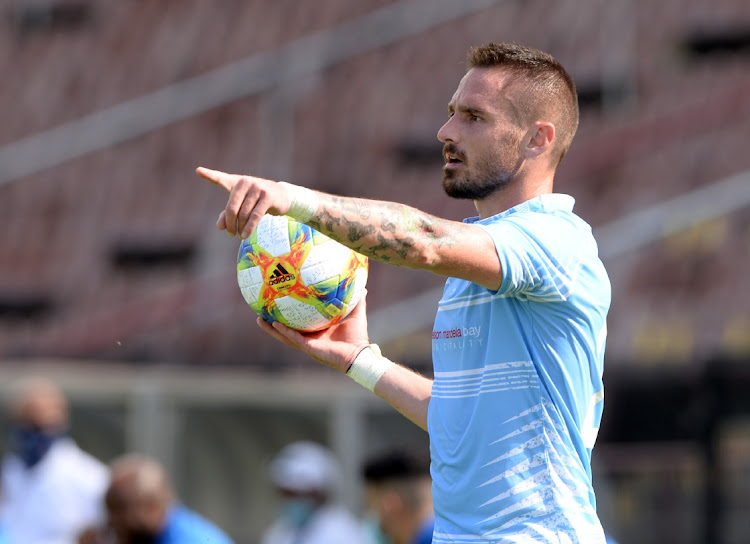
(114, 281)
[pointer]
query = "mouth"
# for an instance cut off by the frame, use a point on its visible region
(452, 161)
(452, 157)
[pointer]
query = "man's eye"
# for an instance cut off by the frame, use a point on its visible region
(473, 117)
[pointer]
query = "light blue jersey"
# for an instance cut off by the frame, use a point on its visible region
(518, 391)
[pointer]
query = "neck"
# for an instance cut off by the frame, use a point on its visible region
(518, 191)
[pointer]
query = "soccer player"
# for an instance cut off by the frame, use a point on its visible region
(518, 340)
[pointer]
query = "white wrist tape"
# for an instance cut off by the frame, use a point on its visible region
(303, 203)
(368, 367)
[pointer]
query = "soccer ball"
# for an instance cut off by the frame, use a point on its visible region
(290, 272)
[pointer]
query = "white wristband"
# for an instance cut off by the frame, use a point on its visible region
(303, 203)
(368, 367)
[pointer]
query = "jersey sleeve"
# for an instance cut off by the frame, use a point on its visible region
(540, 256)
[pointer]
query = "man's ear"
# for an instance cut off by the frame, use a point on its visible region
(539, 139)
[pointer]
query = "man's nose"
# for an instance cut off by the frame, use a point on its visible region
(446, 132)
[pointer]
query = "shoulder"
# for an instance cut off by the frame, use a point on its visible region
(69, 456)
(277, 534)
(337, 525)
(185, 526)
(339, 514)
(546, 220)
(543, 247)
(541, 223)
(70, 449)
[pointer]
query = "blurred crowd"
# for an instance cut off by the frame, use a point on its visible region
(54, 492)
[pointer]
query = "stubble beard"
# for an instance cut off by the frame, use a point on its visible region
(490, 179)
(485, 178)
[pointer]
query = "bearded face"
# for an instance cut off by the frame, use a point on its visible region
(482, 137)
(475, 175)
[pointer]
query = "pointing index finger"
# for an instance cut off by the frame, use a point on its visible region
(222, 179)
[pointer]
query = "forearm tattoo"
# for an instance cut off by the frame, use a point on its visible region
(384, 231)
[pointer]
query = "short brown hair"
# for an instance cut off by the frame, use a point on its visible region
(549, 92)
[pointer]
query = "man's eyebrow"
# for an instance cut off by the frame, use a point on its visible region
(465, 109)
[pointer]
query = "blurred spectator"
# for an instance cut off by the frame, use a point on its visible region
(142, 509)
(3, 539)
(51, 489)
(306, 476)
(397, 486)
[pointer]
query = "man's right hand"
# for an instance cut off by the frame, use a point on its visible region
(250, 198)
(335, 346)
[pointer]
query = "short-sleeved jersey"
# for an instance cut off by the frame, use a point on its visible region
(518, 393)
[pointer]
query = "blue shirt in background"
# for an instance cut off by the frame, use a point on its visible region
(424, 536)
(187, 527)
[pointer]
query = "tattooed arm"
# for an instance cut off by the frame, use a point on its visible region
(404, 236)
(385, 231)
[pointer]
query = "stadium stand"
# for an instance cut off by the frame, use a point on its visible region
(681, 126)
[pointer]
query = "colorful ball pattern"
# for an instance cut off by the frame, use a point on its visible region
(290, 272)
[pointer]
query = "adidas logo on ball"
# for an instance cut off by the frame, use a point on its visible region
(280, 275)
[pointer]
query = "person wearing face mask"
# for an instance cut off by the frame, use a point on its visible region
(51, 488)
(397, 489)
(142, 509)
(305, 475)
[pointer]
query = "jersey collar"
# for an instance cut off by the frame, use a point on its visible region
(546, 203)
